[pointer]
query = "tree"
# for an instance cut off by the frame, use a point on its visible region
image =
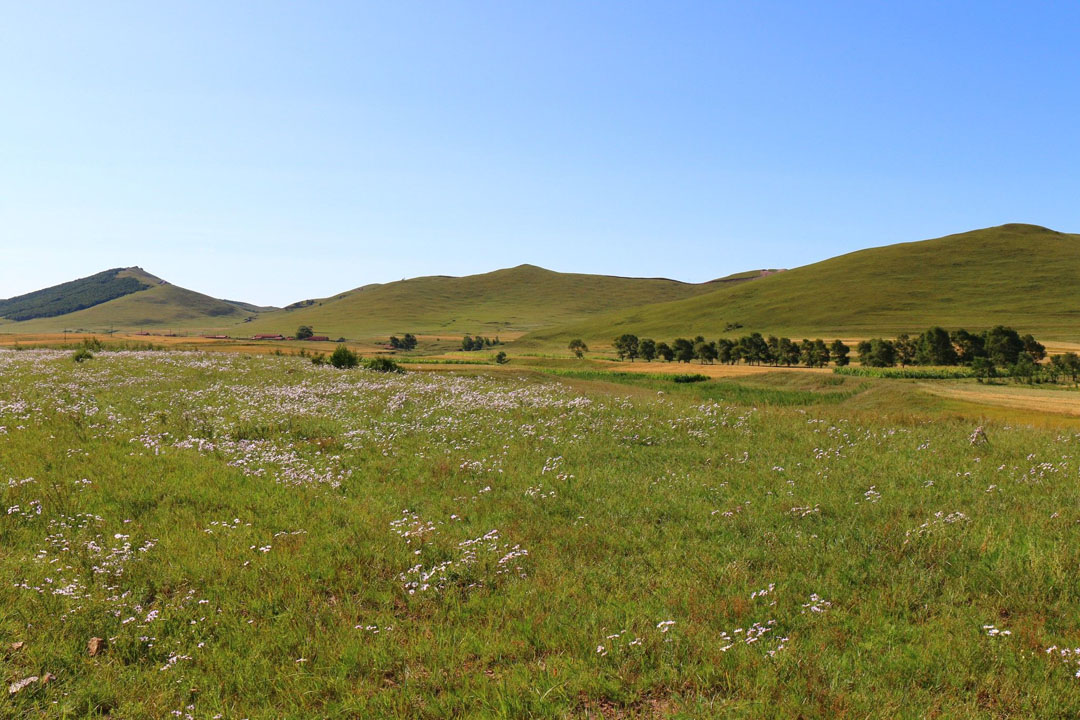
(684, 350)
(1033, 347)
(1003, 345)
(968, 346)
(725, 351)
(773, 343)
(906, 349)
(395, 342)
(304, 332)
(839, 353)
(344, 358)
(500, 358)
(788, 352)
(934, 347)
(864, 348)
(705, 352)
(578, 347)
(467, 343)
(409, 342)
(626, 346)
(1023, 370)
(1069, 364)
(754, 348)
(664, 350)
(983, 368)
(647, 349)
(877, 352)
(821, 353)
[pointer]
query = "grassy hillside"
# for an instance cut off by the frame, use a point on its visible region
(160, 306)
(72, 296)
(506, 301)
(1022, 275)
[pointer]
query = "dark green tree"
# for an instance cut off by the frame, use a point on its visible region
(968, 346)
(906, 349)
(626, 346)
(578, 347)
(664, 351)
(839, 353)
(1033, 347)
(1003, 345)
(821, 353)
(725, 350)
(304, 332)
(935, 347)
(878, 353)
(684, 349)
(647, 349)
(1024, 369)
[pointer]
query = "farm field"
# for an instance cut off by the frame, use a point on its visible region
(508, 542)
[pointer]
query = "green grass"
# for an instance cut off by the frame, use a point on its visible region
(744, 393)
(511, 300)
(256, 537)
(1019, 275)
(907, 373)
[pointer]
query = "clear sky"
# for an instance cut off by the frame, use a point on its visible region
(273, 151)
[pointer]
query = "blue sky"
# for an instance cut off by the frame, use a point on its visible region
(270, 152)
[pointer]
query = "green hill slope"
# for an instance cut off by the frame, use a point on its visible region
(1021, 275)
(157, 305)
(505, 301)
(72, 296)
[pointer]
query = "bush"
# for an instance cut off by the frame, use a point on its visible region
(82, 354)
(383, 364)
(689, 378)
(319, 359)
(344, 358)
(500, 357)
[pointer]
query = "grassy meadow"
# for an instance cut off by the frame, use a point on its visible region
(252, 536)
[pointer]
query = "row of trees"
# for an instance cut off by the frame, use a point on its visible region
(406, 343)
(999, 346)
(754, 349)
(478, 343)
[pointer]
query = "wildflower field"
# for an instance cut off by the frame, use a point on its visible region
(228, 536)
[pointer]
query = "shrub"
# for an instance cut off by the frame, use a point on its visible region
(689, 378)
(383, 364)
(82, 354)
(304, 332)
(501, 358)
(344, 358)
(319, 359)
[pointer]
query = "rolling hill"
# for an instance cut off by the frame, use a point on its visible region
(507, 302)
(147, 302)
(1021, 275)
